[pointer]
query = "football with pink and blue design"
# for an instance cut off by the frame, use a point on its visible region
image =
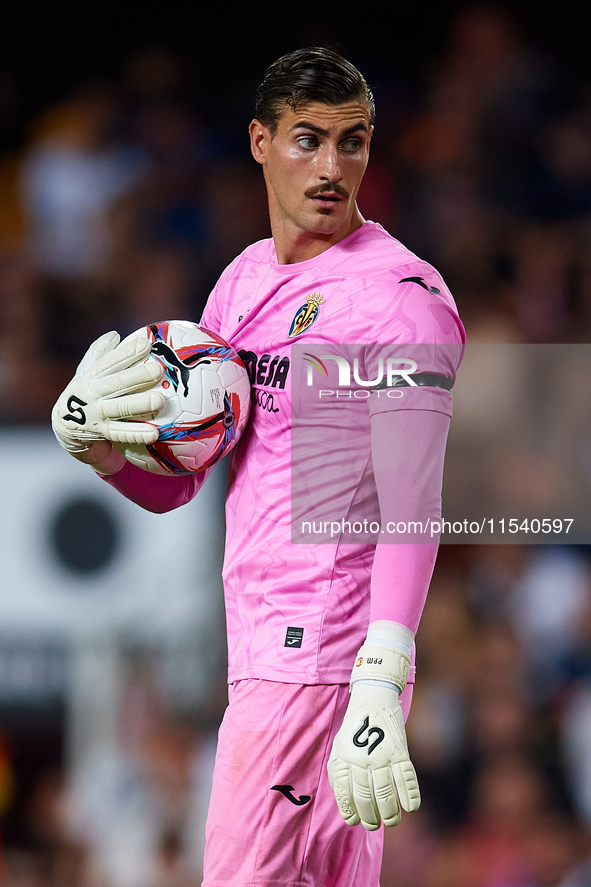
(206, 390)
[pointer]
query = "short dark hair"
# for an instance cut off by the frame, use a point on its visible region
(314, 74)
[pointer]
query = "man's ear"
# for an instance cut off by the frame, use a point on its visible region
(260, 138)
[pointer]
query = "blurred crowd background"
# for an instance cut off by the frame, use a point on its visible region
(122, 197)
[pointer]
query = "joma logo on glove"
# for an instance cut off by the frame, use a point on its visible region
(361, 743)
(342, 801)
(76, 413)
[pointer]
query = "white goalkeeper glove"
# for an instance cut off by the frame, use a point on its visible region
(109, 398)
(369, 767)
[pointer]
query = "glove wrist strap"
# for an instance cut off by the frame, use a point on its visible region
(380, 663)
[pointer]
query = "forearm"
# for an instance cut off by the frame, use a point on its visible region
(400, 581)
(408, 449)
(155, 492)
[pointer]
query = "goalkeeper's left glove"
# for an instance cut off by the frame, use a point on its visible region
(369, 768)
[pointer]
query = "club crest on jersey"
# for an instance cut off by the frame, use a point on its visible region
(306, 315)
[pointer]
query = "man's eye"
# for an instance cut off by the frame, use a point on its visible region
(307, 141)
(351, 145)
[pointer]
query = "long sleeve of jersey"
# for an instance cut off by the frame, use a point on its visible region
(154, 492)
(408, 449)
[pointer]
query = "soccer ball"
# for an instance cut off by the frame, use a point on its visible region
(207, 398)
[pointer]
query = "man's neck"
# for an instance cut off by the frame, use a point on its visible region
(294, 245)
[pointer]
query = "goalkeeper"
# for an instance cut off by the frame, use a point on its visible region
(312, 755)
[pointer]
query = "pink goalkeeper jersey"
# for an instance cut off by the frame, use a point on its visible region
(299, 612)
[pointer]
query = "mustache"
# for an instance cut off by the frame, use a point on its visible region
(327, 188)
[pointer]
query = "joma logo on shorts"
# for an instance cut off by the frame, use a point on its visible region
(286, 791)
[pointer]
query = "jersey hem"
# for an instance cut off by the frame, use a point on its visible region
(257, 883)
(271, 673)
(291, 676)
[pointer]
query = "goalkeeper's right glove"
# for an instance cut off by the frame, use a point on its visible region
(112, 384)
(369, 768)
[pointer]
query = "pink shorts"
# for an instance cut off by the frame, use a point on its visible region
(273, 819)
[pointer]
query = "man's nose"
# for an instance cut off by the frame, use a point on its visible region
(330, 164)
